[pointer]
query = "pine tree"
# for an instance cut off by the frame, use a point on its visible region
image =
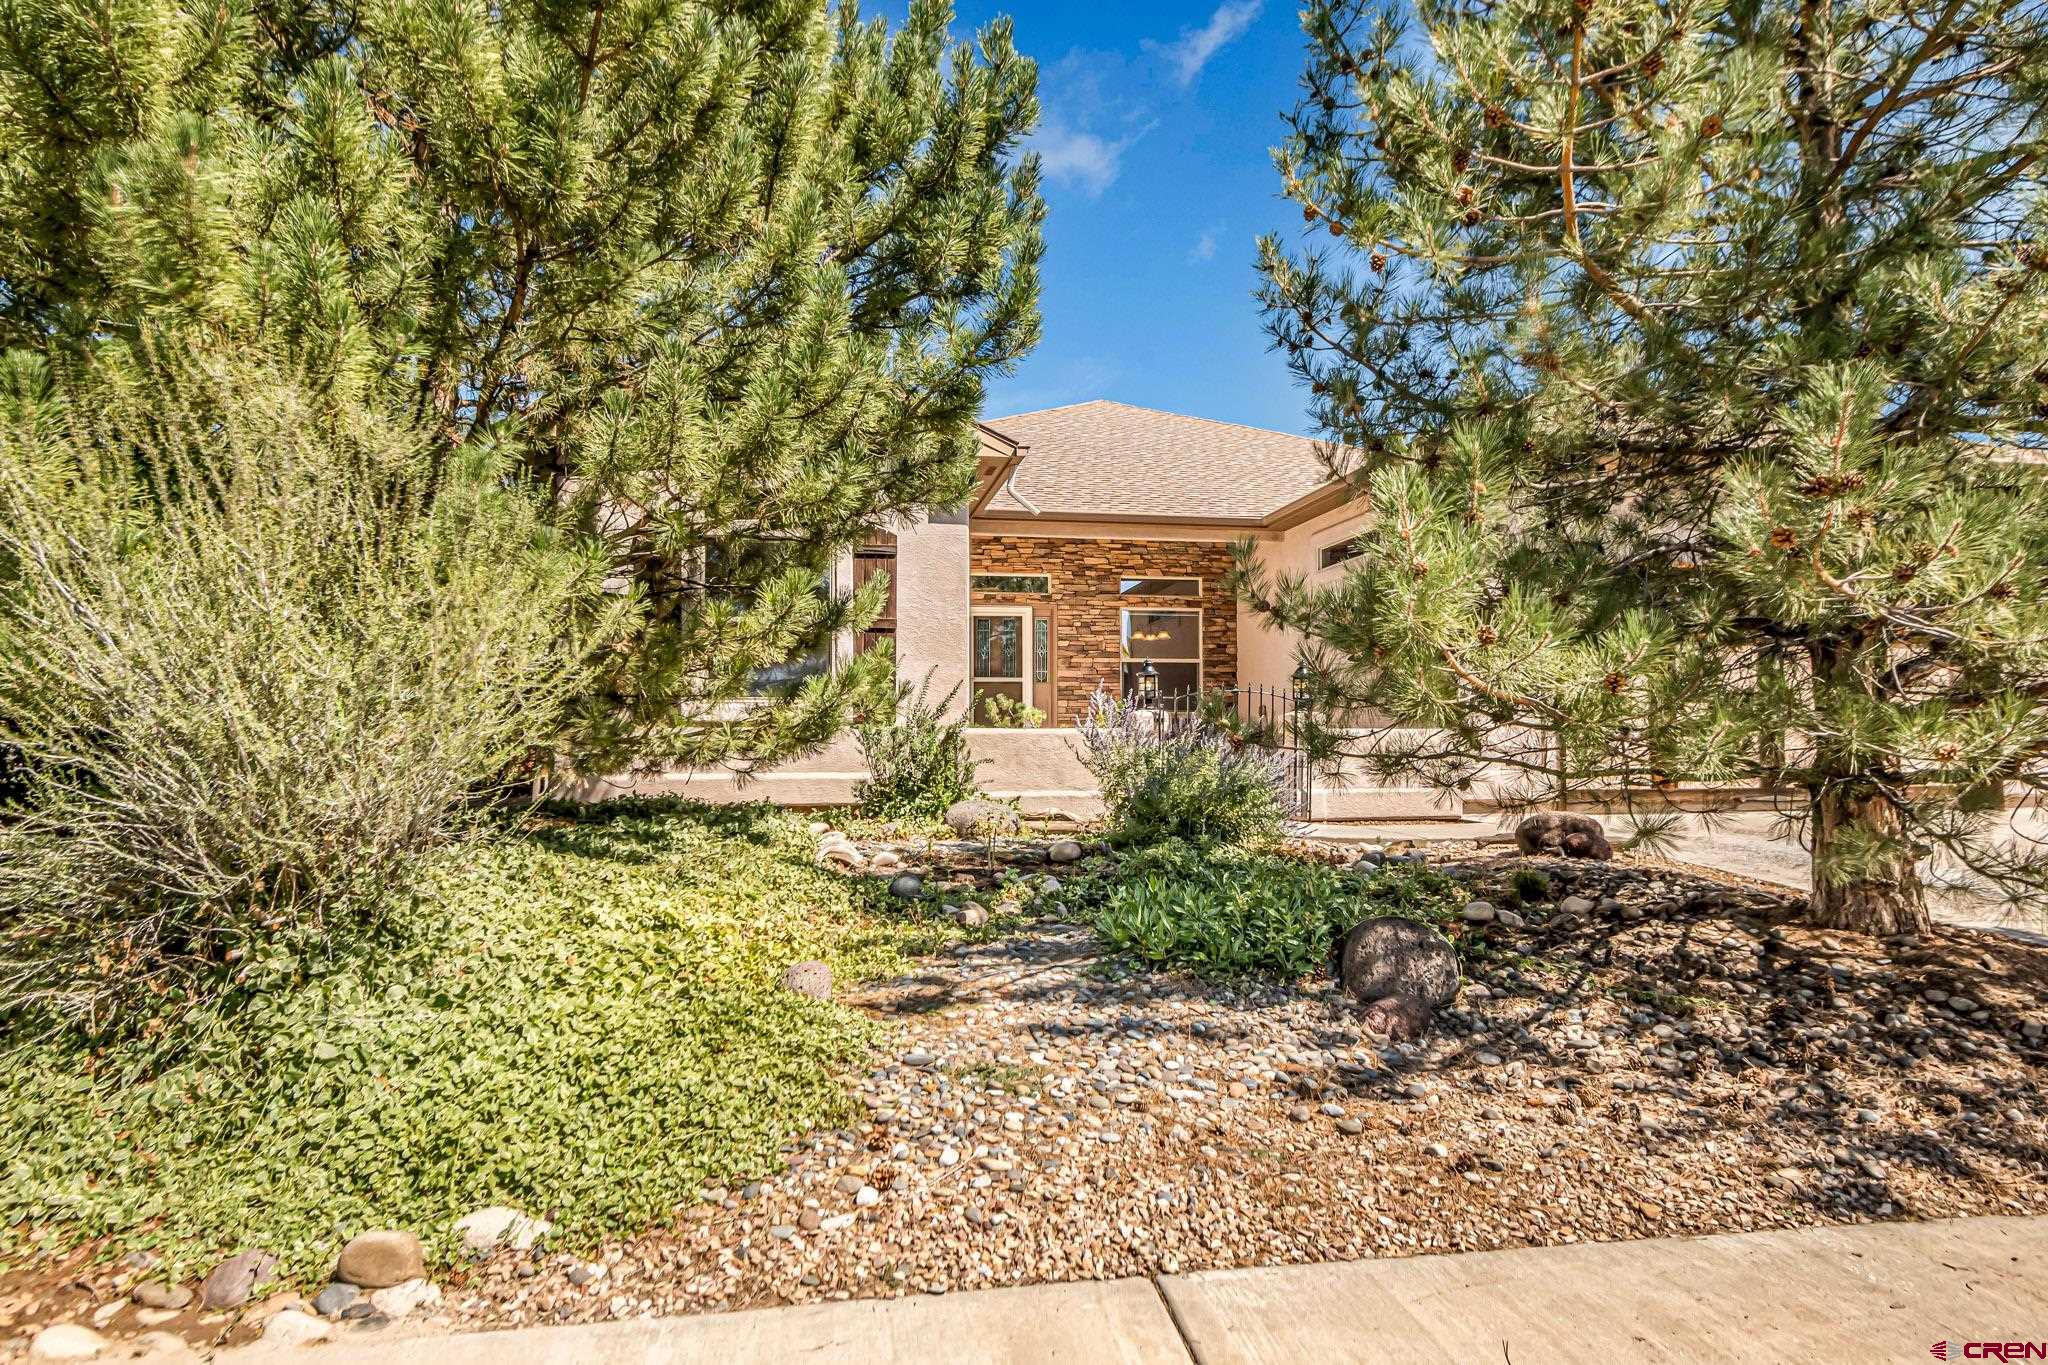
(1694, 357)
(729, 276)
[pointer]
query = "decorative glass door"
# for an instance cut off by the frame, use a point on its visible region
(1001, 656)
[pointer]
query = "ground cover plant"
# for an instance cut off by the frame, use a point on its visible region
(581, 1020)
(1231, 912)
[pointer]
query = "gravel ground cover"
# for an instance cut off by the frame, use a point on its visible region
(1651, 1052)
(1654, 1054)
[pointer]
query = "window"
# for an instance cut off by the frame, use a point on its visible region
(1171, 641)
(1160, 587)
(1333, 555)
(1012, 582)
(997, 654)
(727, 566)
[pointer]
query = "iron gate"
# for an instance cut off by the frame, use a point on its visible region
(1266, 718)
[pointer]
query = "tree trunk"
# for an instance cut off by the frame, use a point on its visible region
(1890, 900)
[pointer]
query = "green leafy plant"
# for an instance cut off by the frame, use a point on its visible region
(1232, 913)
(582, 1021)
(258, 653)
(1010, 713)
(917, 759)
(1179, 778)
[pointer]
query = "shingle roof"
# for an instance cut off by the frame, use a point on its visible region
(1112, 459)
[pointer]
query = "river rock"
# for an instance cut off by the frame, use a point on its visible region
(295, 1328)
(812, 979)
(487, 1228)
(1063, 851)
(975, 818)
(234, 1279)
(329, 1302)
(67, 1341)
(380, 1259)
(906, 886)
(401, 1299)
(155, 1294)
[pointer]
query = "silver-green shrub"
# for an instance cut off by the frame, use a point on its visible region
(917, 758)
(259, 649)
(1188, 781)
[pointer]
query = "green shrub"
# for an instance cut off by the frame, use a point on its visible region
(1530, 886)
(1008, 713)
(582, 1021)
(1221, 913)
(917, 761)
(257, 649)
(1186, 779)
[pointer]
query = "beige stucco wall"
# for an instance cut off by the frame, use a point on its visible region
(931, 605)
(1265, 653)
(1038, 768)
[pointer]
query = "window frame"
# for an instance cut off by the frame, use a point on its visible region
(1127, 658)
(1025, 641)
(1345, 550)
(1123, 591)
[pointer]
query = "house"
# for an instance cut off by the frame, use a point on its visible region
(1092, 556)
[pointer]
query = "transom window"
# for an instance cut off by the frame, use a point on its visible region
(1338, 553)
(1171, 641)
(1012, 582)
(1333, 555)
(1160, 587)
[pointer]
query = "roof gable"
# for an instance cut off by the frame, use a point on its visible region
(1101, 459)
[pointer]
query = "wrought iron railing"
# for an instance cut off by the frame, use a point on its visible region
(1269, 718)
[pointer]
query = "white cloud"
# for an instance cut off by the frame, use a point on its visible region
(1204, 248)
(1081, 159)
(1189, 53)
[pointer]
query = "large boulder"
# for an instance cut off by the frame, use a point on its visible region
(1401, 971)
(1562, 834)
(974, 818)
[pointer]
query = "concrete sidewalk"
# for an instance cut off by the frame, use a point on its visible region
(1884, 1292)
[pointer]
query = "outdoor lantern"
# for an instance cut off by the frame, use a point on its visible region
(1302, 678)
(1148, 684)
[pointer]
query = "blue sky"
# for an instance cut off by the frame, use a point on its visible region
(1157, 120)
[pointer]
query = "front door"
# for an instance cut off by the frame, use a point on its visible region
(1001, 652)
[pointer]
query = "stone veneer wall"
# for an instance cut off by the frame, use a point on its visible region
(1087, 630)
